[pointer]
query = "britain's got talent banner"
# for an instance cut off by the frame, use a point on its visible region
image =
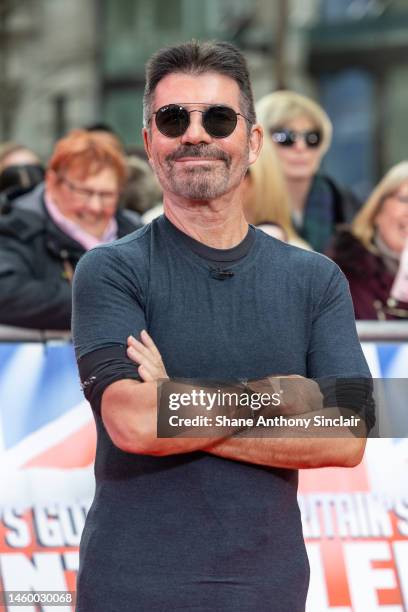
(355, 520)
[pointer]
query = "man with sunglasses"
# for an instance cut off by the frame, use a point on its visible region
(193, 523)
(47, 231)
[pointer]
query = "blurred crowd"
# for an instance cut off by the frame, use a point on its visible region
(93, 190)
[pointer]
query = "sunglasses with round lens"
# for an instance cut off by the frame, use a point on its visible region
(287, 138)
(218, 121)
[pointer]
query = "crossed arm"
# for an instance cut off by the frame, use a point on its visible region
(129, 413)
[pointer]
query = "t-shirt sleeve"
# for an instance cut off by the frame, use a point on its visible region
(334, 348)
(335, 356)
(108, 306)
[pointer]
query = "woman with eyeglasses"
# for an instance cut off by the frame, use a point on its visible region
(373, 252)
(48, 230)
(299, 132)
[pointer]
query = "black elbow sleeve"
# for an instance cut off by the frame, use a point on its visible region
(101, 368)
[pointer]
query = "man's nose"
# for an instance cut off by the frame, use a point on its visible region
(195, 133)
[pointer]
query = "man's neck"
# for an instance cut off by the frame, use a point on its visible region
(298, 191)
(217, 223)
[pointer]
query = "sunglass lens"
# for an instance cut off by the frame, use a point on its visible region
(287, 138)
(313, 138)
(220, 121)
(172, 120)
(283, 138)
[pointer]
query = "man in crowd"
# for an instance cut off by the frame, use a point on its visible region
(20, 171)
(202, 523)
(47, 231)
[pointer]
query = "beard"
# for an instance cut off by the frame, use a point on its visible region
(206, 181)
(201, 183)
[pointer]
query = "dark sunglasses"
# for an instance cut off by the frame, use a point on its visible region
(287, 138)
(218, 121)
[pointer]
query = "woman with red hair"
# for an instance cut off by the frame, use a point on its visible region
(49, 229)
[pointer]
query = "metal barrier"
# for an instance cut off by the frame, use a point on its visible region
(382, 331)
(9, 333)
(368, 331)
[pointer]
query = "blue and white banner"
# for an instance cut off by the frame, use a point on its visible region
(355, 521)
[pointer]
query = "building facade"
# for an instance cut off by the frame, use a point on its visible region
(68, 64)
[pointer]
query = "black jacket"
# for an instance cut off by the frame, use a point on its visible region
(36, 264)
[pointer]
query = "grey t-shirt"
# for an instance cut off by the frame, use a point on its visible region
(194, 531)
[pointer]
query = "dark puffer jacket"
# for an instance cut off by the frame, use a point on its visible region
(37, 260)
(369, 279)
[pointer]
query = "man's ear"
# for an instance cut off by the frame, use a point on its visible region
(146, 142)
(255, 142)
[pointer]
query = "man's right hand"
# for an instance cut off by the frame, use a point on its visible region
(145, 353)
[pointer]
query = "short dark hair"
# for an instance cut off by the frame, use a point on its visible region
(196, 57)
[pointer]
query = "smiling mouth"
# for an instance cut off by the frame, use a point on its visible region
(198, 160)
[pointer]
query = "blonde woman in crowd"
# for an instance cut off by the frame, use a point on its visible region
(300, 132)
(266, 198)
(373, 253)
